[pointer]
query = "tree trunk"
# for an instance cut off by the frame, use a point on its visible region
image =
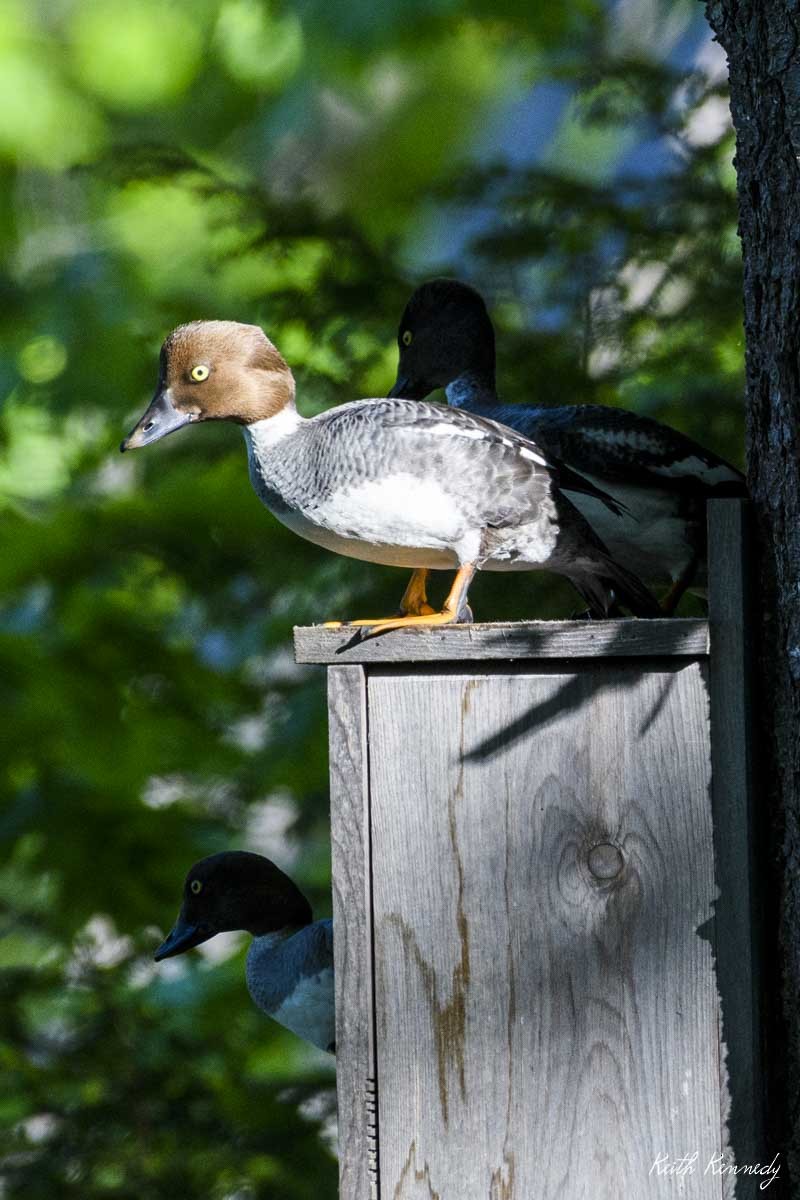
(762, 41)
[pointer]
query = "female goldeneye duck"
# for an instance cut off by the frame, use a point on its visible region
(660, 477)
(290, 961)
(388, 481)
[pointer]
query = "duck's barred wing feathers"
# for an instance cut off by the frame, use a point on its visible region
(620, 446)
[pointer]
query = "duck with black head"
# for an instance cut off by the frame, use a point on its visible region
(661, 478)
(388, 481)
(290, 961)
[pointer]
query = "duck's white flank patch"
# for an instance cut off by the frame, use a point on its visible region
(468, 549)
(719, 473)
(308, 1010)
(399, 509)
(261, 434)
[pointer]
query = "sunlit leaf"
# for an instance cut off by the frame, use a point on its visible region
(259, 49)
(136, 55)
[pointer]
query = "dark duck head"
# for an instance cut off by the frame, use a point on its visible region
(231, 891)
(214, 371)
(445, 336)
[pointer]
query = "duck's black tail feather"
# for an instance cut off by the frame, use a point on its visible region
(612, 585)
(592, 571)
(571, 481)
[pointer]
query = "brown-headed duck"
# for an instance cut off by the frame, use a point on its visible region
(389, 480)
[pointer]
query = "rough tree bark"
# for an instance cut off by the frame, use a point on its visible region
(762, 41)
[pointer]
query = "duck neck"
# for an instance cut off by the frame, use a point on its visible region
(268, 431)
(293, 908)
(273, 938)
(471, 388)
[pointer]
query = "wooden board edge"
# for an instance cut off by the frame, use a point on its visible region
(507, 641)
(352, 914)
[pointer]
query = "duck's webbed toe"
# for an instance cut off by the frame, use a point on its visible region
(455, 610)
(413, 604)
(427, 620)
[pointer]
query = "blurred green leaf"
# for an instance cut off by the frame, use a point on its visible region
(136, 55)
(258, 48)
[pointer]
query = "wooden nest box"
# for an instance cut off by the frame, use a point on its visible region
(544, 904)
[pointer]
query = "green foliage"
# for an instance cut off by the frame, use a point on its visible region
(301, 165)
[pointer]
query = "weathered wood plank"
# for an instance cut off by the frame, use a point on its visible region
(546, 1027)
(506, 641)
(352, 922)
(738, 918)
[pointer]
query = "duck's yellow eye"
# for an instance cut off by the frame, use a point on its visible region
(407, 338)
(196, 885)
(199, 373)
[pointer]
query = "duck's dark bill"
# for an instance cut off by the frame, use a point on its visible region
(183, 937)
(160, 419)
(405, 389)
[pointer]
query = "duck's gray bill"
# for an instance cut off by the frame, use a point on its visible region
(406, 389)
(160, 419)
(183, 937)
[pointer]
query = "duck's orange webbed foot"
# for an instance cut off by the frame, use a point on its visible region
(431, 617)
(413, 604)
(423, 620)
(454, 606)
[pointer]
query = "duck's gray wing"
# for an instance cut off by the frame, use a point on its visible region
(313, 974)
(452, 441)
(495, 479)
(323, 953)
(616, 445)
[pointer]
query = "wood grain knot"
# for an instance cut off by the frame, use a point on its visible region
(605, 861)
